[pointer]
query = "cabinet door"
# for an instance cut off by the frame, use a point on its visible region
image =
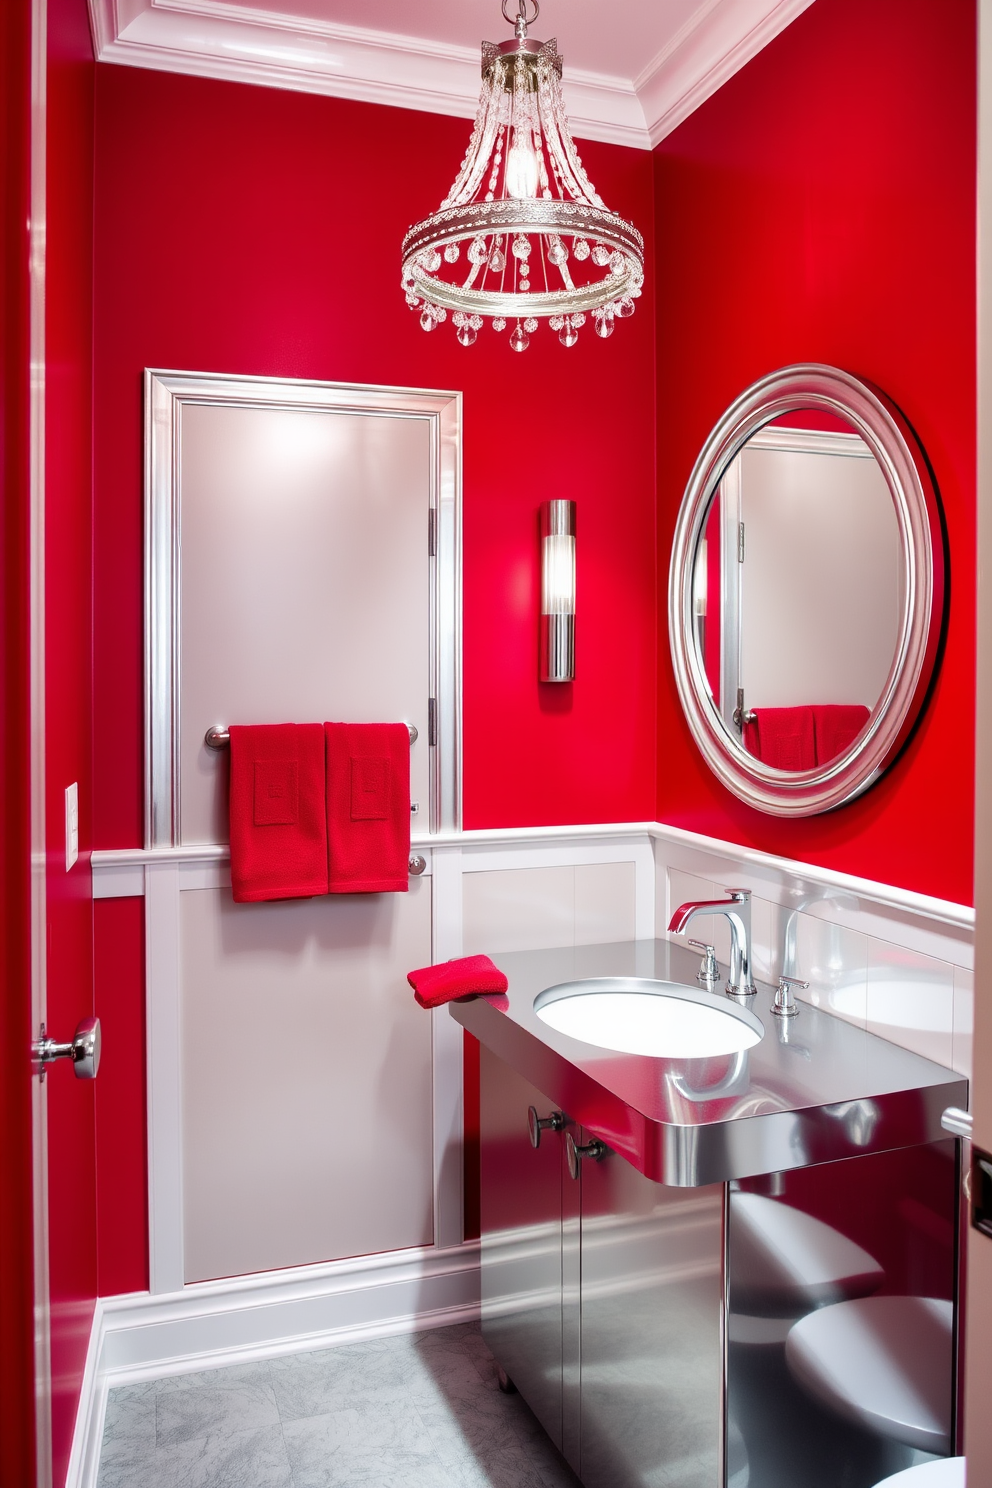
(651, 1341)
(521, 1240)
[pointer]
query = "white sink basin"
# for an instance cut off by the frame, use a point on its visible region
(634, 1015)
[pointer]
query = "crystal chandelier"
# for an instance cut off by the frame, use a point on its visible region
(522, 235)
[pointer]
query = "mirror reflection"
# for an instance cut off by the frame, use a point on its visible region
(797, 590)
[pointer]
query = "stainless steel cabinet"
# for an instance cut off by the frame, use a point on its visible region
(651, 1297)
(602, 1298)
(521, 1213)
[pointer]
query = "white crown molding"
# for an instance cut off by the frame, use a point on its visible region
(220, 39)
(715, 43)
(212, 38)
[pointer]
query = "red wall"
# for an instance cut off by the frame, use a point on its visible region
(68, 688)
(821, 207)
(226, 242)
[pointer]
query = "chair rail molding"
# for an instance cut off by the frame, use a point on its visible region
(239, 43)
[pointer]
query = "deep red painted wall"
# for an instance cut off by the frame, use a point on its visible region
(226, 242)
(821, 207)
(122, 1139)
(68, 688)
(17, 1393)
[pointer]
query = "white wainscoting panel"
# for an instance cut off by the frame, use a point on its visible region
(895, 962)
(525, 909)
(847, 935)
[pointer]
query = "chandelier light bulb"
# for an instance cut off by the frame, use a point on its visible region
(521, 167)
(522, 236)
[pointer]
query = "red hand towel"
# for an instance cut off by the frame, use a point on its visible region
(278, 831)
(469, 976)
(782, 738)
(836, 726)
(368, 807)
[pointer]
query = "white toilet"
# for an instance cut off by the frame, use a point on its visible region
(947, 1473)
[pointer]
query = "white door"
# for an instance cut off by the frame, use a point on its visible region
(301, 587)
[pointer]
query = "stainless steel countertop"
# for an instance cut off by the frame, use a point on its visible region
(813, 1090)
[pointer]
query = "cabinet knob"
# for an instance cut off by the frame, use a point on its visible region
(536, 1124)
(595, 1149)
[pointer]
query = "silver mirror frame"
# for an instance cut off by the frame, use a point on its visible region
(907, 474)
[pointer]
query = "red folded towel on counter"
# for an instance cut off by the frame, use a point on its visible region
(368, 807)
(469, 976)
(278, 826)
(782, 738)
(836, 726)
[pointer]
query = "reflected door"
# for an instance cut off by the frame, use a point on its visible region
(812, 560)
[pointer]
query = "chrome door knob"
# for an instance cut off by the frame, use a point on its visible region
(536, 1124)
(84, 1050)
(595, 1149)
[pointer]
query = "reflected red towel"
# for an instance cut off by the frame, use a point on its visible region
(469, 976)
(368, 807)
(782, 738)
(278, 830)
(836, 726)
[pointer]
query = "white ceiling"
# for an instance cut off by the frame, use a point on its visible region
(634, 69)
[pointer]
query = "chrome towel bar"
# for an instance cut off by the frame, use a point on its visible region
(220, 738)
(217, 737)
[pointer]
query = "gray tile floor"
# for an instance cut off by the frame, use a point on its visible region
(422, 1410)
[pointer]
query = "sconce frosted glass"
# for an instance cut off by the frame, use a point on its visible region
(558, 591)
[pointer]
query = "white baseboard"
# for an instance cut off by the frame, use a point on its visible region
(84, 1457)
(212, 1324)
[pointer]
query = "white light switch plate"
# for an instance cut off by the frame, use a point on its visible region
(71, 824)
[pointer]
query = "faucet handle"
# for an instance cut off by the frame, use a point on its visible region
(785, 1004)
(709, 971)
(741, 896)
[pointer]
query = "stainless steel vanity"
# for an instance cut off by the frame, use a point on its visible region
(638, 1288)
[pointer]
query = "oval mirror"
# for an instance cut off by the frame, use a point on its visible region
(806, 590)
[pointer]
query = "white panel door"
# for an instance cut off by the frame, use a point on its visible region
(291, 579)
(306, 1077)
(305, 582)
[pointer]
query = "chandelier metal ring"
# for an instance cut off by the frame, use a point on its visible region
(523, 234)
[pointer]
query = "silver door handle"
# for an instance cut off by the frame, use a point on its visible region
(595, 1149)
(84, 1050)
(536, 1124)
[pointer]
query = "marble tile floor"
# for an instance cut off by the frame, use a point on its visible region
(421, 1410)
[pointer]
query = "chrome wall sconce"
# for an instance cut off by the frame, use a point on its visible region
(557, 591)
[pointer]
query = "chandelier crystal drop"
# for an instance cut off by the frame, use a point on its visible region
(523, 235)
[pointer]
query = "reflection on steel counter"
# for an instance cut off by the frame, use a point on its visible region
(840, 1305)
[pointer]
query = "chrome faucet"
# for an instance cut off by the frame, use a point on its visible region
(737, 908)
